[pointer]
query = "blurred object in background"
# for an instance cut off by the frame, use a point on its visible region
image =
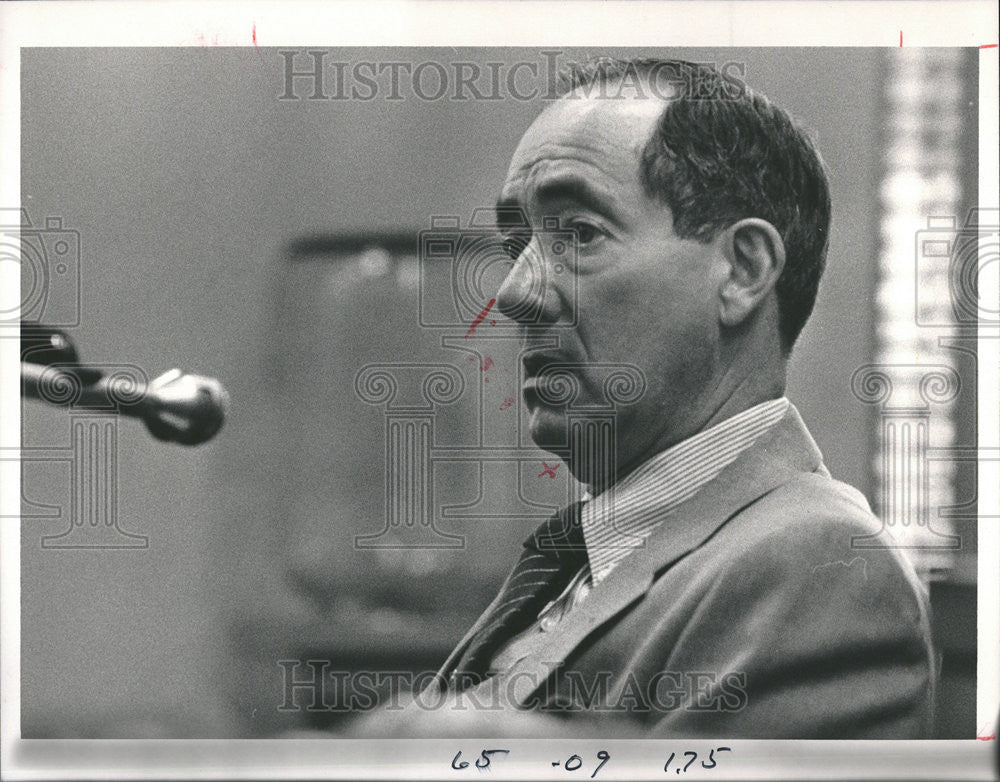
(332, 581)
(924, 465)
(926, 305)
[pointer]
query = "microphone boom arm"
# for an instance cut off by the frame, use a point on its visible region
(177, 406)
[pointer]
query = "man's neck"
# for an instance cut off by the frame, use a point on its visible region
(729, 397)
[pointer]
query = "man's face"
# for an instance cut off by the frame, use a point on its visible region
(641, 296)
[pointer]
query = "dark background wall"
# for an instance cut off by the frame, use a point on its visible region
(188, 181)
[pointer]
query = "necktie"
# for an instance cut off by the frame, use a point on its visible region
(552, 554)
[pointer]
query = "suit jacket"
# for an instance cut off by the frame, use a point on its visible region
(752, 611)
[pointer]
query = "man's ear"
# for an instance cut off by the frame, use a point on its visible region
(755, 255)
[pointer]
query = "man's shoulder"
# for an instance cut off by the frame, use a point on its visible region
(805, 506)
(817, 529)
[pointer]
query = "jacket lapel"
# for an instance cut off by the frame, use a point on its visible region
(434, 688)
(780, 454)
(454, 657)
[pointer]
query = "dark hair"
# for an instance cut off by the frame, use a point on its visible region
(721, 153)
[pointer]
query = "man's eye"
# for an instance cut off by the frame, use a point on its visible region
(585, 232)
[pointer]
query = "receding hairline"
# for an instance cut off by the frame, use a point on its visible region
(645, 108)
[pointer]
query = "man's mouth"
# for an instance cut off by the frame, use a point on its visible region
(536, 379)
(534, 363)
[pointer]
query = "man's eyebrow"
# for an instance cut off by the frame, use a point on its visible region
(509, 214)
(574, 188)
(557, 188)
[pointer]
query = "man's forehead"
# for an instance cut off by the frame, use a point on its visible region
(604, 133)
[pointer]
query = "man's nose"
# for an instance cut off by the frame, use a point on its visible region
(525, 296)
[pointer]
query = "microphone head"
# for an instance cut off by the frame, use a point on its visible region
(46, 346)
(184, 408)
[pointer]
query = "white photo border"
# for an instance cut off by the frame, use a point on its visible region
(443, 23)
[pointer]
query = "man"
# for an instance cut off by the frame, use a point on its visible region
(706, 585)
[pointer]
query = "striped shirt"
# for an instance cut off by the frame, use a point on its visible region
(619, 520)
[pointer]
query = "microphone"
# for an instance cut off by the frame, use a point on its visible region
(177, 406)
(45, 345)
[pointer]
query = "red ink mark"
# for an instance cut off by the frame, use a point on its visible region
(255, 46)
(991, 737)
(988, 46)
(901, 39)
(486, 364)
(507, 403)
(550, 471)
(486, 380)
(493, 322)
(480, 317)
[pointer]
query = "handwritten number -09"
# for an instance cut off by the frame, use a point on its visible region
(573, 762)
